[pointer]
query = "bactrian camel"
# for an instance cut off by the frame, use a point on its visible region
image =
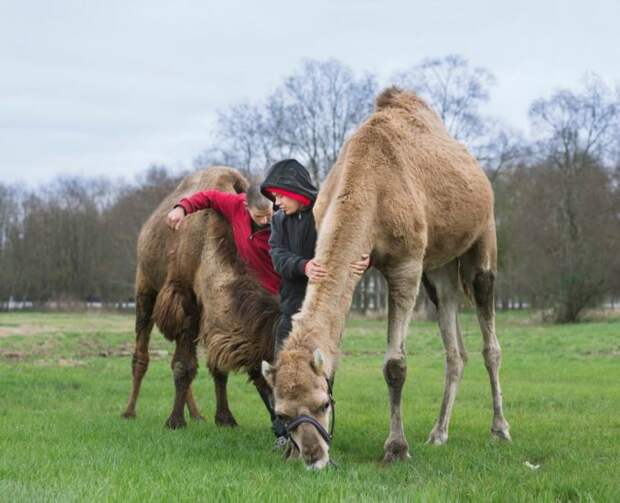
(405, 191)
(193, 286)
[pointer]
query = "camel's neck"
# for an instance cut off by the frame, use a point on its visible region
(345, 234)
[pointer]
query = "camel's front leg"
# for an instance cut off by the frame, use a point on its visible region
(264, 391)
(403, 283)
(223, 415)
(145, 300)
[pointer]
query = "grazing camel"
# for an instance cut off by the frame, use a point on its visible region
(403, 190)
(193, 286)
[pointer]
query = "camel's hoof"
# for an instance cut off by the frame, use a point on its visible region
(198, 417)
(396, 451)
(128, 415)
(437, 437)
(175, 423)
(225, 420)
(503, 435)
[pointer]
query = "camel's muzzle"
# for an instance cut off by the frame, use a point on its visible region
(326, 435)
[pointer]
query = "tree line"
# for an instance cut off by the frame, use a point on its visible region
(557, 196)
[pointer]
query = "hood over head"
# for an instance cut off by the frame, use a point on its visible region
(290, 176)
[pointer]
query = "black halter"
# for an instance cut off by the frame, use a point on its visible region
(327, 436)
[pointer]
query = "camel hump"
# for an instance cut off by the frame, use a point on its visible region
(221, 177)
(395, 97)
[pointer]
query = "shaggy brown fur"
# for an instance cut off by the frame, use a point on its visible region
(193, 286)
(403, 190)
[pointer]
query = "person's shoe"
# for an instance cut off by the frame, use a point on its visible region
(278, 427)
(280, 443)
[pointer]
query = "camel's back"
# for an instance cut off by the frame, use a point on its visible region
(156, 240)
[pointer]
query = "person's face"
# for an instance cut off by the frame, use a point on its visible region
(261, 217)
(287, 204)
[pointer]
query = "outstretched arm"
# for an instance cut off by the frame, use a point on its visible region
(222, 202)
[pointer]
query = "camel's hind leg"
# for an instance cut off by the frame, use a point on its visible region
(445, 285)
(223, 415)
(192, 406)
(145, 300)
(184, 368)
(478, 273)
(403, 282)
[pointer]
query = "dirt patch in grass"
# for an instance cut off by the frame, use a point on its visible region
(45, 355)
(11, 355)
(26, 329)
(613, 352)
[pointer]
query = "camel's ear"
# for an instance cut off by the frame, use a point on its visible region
(318, 362)
(268, 373)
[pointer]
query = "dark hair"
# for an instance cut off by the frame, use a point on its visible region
(256, 199)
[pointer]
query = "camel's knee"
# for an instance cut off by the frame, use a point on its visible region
(492, 357)
(464, 355)
(184, 370)
(139, 364)
(395, 372)
(454, 364)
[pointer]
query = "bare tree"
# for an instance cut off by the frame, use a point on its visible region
(503, 147)
(308, 116)
(454, 90)
(245, 139)
(315, 110)
(579, 132)
(10, 198)
(457, 92)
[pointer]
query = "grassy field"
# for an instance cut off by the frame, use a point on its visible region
(64, 380)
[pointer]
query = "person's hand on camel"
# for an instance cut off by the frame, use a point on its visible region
(314, 270)
(359, 266)
(175, 217)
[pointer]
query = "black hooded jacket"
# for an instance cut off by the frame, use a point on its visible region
(293, 237)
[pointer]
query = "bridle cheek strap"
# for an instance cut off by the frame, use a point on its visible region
(308, 419)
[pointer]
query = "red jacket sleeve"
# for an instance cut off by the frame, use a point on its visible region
(224, 203)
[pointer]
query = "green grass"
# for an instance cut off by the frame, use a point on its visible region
(64, 380)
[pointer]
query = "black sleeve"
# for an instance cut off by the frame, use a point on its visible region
(286, 263)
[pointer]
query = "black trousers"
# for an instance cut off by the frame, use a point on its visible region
(283, 329)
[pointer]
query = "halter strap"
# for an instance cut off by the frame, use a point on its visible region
(304, 418)
(308, 419)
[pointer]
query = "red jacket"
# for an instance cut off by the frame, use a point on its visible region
(252, 247)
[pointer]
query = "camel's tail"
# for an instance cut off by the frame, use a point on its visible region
(465, 283)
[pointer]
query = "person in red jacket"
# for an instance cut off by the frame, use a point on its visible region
(249, 215)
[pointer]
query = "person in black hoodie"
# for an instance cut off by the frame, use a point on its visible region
(293, 237)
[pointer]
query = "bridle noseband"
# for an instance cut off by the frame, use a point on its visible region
(326, 435)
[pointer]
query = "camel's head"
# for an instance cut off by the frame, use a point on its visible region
(303, 401)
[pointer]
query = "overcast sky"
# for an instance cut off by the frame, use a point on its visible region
(108, 88)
